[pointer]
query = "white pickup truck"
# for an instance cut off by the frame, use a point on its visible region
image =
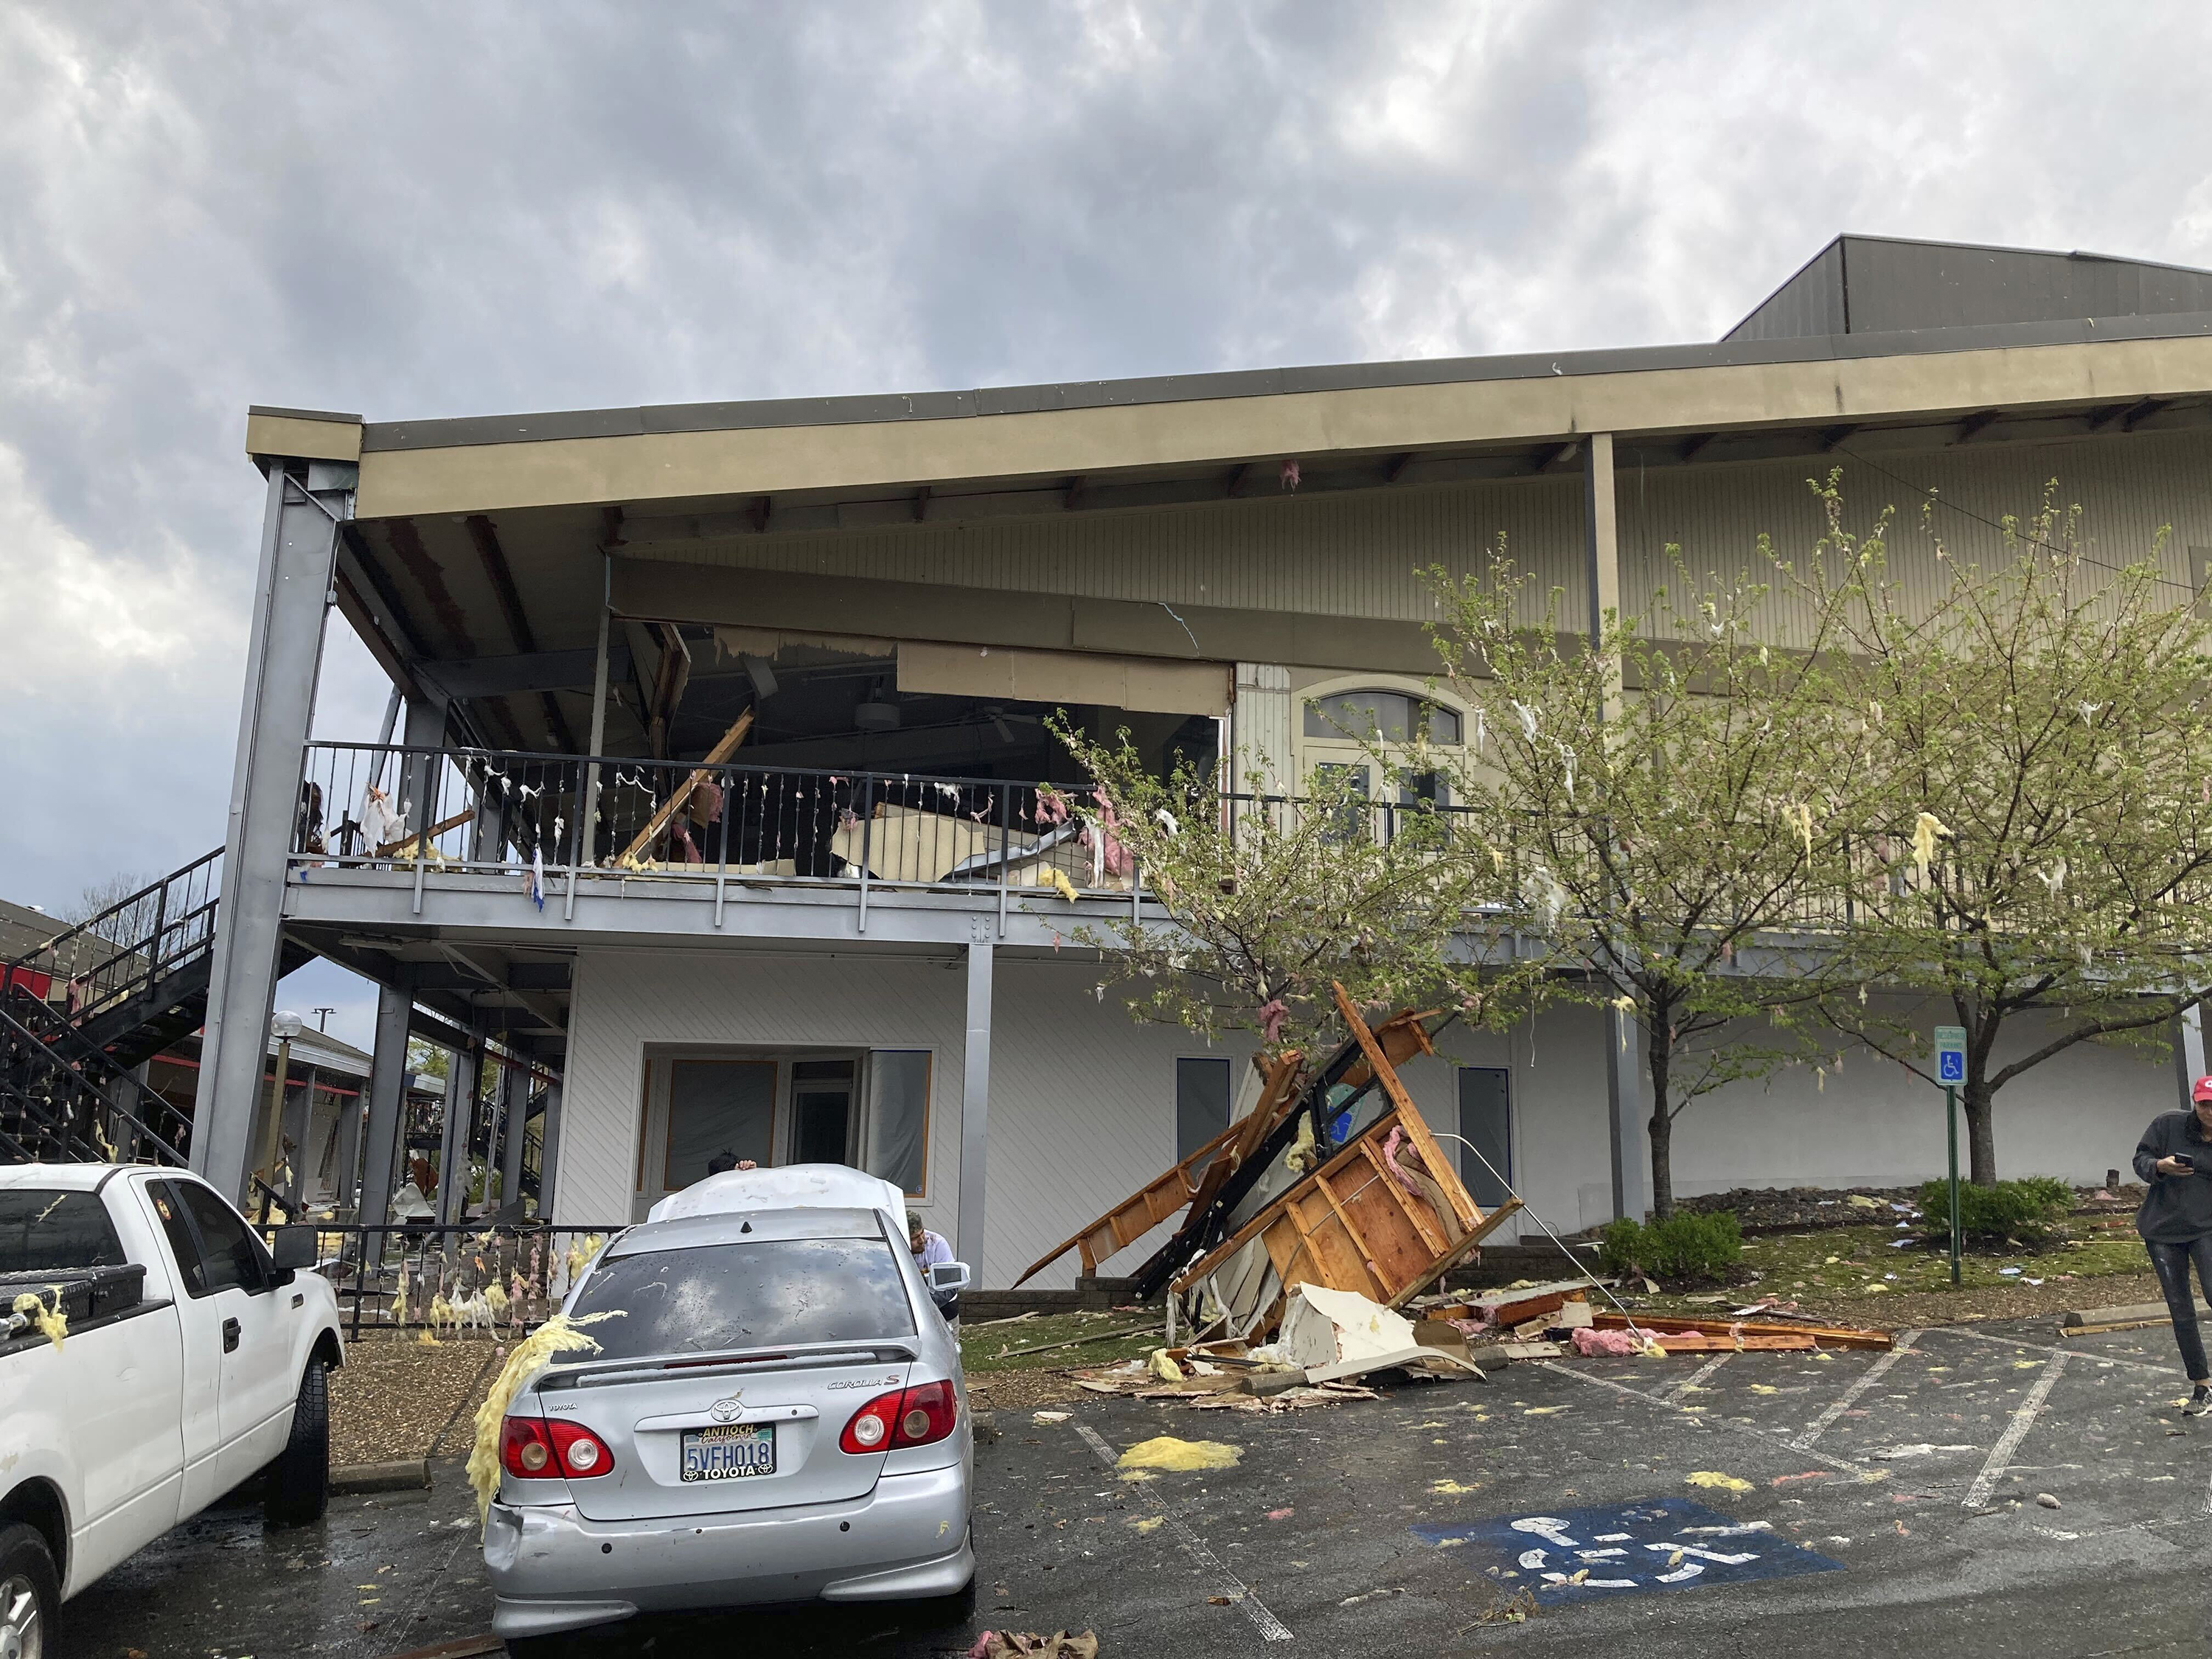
(192, 1360)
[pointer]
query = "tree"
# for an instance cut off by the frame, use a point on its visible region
(1664, 812)
(1261, 901)
(2043, 839)
(129, 923)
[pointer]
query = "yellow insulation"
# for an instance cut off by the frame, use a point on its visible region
(559, 1335)
(52, 1322)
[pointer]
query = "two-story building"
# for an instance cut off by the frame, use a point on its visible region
(726, 721)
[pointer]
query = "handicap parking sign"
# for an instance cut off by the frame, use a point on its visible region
(1667, 1544)
(1951, 1054)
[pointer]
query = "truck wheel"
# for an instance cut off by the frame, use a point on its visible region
(30, 1591)
(299, 1487)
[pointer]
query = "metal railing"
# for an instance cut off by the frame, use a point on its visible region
(677, 825)
(62, 1101)
(128, 948)
(467, 1277)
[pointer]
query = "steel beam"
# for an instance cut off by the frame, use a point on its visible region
(974, 1107)
(454, 1149)
(283, 660)
(549, 1149)
(297, 1126)
(514, 1121)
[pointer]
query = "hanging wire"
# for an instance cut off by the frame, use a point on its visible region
(1528, 1210)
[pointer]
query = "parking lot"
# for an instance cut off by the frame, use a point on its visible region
(1750, 1503)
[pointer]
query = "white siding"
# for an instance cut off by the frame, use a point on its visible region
(1082, 1099)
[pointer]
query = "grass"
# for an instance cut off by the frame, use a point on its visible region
(1843, 1264)
(988, 1348)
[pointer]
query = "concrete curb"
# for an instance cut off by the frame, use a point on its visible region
(406, 1474)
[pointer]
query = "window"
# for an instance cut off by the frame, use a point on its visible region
(1202, 1104)
(719, 1111)
(1485, 1119)
(717, 1298)
(898, 1117)
(43, 1229)
(1379, 715)
(215, 1249)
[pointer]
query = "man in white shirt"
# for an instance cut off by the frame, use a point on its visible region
(929, 1248)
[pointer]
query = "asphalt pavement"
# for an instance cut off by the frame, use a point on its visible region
(1868, 1503)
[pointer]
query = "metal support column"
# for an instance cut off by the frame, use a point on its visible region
(975, 1108)
(548, 1149)
(2189, 1051)
(461, 1120)
(514, 1123)
(296, 1127)
(284, 654)
(387, 1096)
(1623, 1048)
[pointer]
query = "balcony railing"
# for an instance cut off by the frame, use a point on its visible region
(573, 821)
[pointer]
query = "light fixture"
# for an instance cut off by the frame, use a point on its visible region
(873, 716)
(287, 1025)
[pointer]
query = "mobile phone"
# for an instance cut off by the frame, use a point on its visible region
(2182, 1159)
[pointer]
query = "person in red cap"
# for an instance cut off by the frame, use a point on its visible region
(2175, 1163)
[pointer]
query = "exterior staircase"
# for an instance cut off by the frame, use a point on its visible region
(81, 1014)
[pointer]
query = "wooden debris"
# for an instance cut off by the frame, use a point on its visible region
(676, 803)
(1352, 1225)
(1665, 1325)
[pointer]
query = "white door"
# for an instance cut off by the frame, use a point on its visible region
(235, 1294)
(201, 1344)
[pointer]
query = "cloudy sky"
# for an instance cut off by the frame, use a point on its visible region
(421, 210)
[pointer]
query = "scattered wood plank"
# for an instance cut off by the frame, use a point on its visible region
(2129, 1313)
(1826, 1336)
(676, 803)
(405, 847)
(1078, 1341)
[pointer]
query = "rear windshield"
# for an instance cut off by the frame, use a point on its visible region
(715, 1297)
(42, 1228)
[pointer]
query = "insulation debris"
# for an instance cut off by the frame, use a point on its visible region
(1166, 1452)
(559, 1335)
(52, 1323)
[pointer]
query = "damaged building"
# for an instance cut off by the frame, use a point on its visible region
(718, 778)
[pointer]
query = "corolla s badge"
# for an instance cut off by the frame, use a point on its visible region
(723, 1410)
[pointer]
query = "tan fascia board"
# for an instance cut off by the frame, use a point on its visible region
(743, 462)
(302, 434)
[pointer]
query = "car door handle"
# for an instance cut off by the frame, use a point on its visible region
(230, 1335)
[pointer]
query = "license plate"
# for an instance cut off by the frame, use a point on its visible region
(729, 1451)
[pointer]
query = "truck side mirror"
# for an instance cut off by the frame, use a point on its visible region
(949, 1276)
(294, 1249)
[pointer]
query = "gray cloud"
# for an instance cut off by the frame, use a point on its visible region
(424, 209)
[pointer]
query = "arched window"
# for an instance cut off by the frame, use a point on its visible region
(1341, 720)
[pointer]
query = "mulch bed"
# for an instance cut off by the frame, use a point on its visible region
(397, 1398)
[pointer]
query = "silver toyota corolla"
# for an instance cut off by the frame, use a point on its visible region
(778, 1414)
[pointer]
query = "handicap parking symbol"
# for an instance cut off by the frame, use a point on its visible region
(1667, 1544)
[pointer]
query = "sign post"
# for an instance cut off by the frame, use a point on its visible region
(1951, 1071)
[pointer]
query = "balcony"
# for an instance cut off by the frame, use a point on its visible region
(501, 842)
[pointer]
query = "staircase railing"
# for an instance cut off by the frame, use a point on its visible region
(59, 1102)
(128, 948)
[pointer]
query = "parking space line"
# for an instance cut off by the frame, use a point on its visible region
(1691, 1417)
(1867, 1379)
(1270, 1627)
(1977, 1495)
(1690, 1384)
(2070, 1353)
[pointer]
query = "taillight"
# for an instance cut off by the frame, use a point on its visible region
(523, 1450)
(581, 1454)
(911, 1417)
(532, 1449)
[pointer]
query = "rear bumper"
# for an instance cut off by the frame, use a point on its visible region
(553, 1570)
